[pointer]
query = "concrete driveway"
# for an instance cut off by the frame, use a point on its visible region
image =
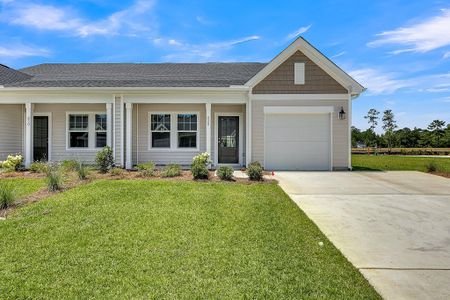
(393, 226)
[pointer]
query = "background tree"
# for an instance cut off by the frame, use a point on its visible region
(437, 132)
(389, 125)
(372, 118)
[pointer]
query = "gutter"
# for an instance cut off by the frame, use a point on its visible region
(126, 89)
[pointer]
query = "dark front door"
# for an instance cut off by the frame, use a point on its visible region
(228, 138)
(40, 138)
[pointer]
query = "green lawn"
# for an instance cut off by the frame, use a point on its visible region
(168, 239)
(23, 186)
(398, 163)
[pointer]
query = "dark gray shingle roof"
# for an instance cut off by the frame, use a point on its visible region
(8, 75)
(138, 75)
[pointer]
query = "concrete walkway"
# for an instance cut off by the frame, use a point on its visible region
(393, 226)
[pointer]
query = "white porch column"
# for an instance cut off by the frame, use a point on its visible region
(109, 124)
(208, 128)
(28, 133)
(129, 114)
(248, 132)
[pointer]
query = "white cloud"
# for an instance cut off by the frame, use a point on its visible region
(19, 51)
(446, 55)
(424, 36)
(339, 54)
(47, 17)
(199, 52)
(379, 82)
(299, 31)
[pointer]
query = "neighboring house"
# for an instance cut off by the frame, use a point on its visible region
(293, 113)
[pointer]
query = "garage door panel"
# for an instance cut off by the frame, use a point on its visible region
(297, 142)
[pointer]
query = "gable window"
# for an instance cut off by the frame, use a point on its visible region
(79, 131)
(187, 130)
(100, 130)
(160, 130)
(299, 73)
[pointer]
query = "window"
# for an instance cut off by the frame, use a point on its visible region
(160, 130)
(100, 130)
(187, 130)
(78, 131)
(299, 73)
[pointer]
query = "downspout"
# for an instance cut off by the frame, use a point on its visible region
(137, 133)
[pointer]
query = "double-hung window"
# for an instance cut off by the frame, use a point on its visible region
(79, 131)
(100, 130)
(187, 130)
(160, 130)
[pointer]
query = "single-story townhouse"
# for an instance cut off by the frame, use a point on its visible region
(293, 113)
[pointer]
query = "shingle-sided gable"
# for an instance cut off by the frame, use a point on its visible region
(281, 80)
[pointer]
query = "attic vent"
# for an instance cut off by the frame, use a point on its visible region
(299, 73)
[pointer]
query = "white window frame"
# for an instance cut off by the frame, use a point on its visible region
(190, 131)
(299, 73)
(91, 130)
(173, 131)
(100, 130)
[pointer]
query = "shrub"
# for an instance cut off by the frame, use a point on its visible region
(38, 167)
(199, 164)
(171, 170)
(7, 196)
(225, 172)
(82, 171)
(255, 171)
(431, 167)
(116, 172)
(54, 178)
(70, 165)
(146, 169)
(104, 159)
(12, 162)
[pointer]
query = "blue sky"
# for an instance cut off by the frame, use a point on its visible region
(399, 50)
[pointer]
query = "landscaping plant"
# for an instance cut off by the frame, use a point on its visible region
(54, 177)
(82, 171)
(255, 171)
(70, 165)
(12, 162)
(225, 172)
(7, 196)
(104, 159)
(116, 172)
(171, 170)
(199, 166)
(146, 169)
(431, 167)
(38, 167)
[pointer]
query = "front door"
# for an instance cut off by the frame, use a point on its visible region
(228, 140)
(40, 138)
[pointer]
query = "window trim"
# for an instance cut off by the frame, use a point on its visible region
(173, 131)
(91, 130)
(299, 73)
(100, 131)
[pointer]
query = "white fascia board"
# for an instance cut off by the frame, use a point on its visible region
(125, 89)
(317, 57)
(298, 109)
(305, 97)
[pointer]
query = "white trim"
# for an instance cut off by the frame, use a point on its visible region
(208, 127)
(50, 134)
(318, 58)
(173, 131)
(122, 133)
(306, 97)
(298, 109)
(299, 73)
(28, 134)
(48, 99)
(109, 124)
(232, 88)
(91, 131)
(216, 136)
(196, 99)
(349, 124)
(129, 141)
(137, 133)
(248, 131)
(113, 136)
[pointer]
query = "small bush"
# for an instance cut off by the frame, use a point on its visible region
(38, 167)
(7, 196)
(225, 172)
(54, 178)
(199, 165)
(202, 158)
(431, 167)
(70, 165)
(116, 172)
(146, 169)
(104, 159)
(82, 171)
(255, 171)
(12, 163)
(171, 170)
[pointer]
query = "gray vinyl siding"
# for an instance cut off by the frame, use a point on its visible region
(59, 126)
(117, 123)
(225, 108)
(11, 129)
(141, 135)
(340, 128)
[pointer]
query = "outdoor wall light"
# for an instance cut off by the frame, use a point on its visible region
(342, 114)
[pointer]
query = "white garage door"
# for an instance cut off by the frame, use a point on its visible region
(297, 141)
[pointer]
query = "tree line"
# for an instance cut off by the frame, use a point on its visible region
(436, 135)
